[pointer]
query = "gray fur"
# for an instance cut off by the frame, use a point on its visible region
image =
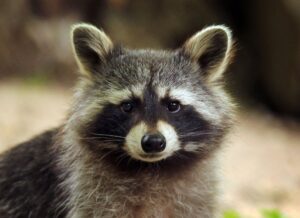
(85, 181)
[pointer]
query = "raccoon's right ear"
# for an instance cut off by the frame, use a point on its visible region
(91, 47)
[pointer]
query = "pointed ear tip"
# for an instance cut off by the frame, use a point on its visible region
(220, 28)
(214, 30)
(81, 27)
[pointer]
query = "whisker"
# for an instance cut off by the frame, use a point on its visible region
(116, 121)
(104, 138)
(195, 135)
(108, 135)
(120, 158)
(106, 154)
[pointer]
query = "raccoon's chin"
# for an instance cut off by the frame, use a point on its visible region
(150, 158)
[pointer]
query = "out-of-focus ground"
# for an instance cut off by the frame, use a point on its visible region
(27, 110)
(260, 163)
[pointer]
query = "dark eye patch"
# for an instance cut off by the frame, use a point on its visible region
(111, 125)
(189, 125)
(112, 121)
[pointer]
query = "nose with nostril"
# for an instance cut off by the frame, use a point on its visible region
(153, 143)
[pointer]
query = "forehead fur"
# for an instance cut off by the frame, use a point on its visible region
(158, 68)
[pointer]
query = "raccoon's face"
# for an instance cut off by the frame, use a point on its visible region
(151, 105)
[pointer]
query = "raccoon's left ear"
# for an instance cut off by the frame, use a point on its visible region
(212, 49)
(91, 47)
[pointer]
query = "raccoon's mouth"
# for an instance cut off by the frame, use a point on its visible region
(150, 157)
(144, 157)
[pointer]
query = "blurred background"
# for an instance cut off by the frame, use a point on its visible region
(261, 164)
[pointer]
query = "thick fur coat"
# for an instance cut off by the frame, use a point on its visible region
(99, 163)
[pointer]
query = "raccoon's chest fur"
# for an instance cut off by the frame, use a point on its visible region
(152, 200)
(100, 192)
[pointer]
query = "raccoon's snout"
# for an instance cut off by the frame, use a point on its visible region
(153, 143)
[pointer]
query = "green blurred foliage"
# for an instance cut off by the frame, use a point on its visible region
(266, 213)
(231, 214)
(273, 214)
(37, 80)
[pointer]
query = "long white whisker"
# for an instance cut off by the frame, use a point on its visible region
(108, 135)
(105, 139)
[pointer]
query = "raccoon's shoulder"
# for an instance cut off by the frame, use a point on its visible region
(29, 179)
(27, 153)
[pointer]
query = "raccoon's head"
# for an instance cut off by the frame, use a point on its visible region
(147, 105)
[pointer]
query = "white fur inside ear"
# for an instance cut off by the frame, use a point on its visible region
(88, 38)
(199, 44)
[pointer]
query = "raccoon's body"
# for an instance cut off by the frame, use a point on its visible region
(29, 181)
(141, 138)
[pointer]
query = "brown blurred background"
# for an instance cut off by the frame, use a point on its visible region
(34, 36)
(261, 165)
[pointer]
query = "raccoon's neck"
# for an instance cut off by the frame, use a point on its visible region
(97, 190)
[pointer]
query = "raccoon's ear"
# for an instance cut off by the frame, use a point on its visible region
(212, 49)
(91, 47)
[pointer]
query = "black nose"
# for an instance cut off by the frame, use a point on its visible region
(152, 143)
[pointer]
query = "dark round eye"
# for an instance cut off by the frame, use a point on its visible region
(127, 107)
(173, 106)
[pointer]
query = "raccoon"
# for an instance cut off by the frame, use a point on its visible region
(141, 139)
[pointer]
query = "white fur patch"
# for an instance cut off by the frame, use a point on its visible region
(138, 90)
(116, 97)
(134, 138)
(170, 134)
(184, 96)
(193, 147)
(161, 91)
(201, 105)
(111, 96)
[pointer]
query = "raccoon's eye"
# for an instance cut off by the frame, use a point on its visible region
(127, 107)
(173, 106)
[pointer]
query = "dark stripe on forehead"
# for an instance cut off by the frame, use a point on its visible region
(151, 106)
